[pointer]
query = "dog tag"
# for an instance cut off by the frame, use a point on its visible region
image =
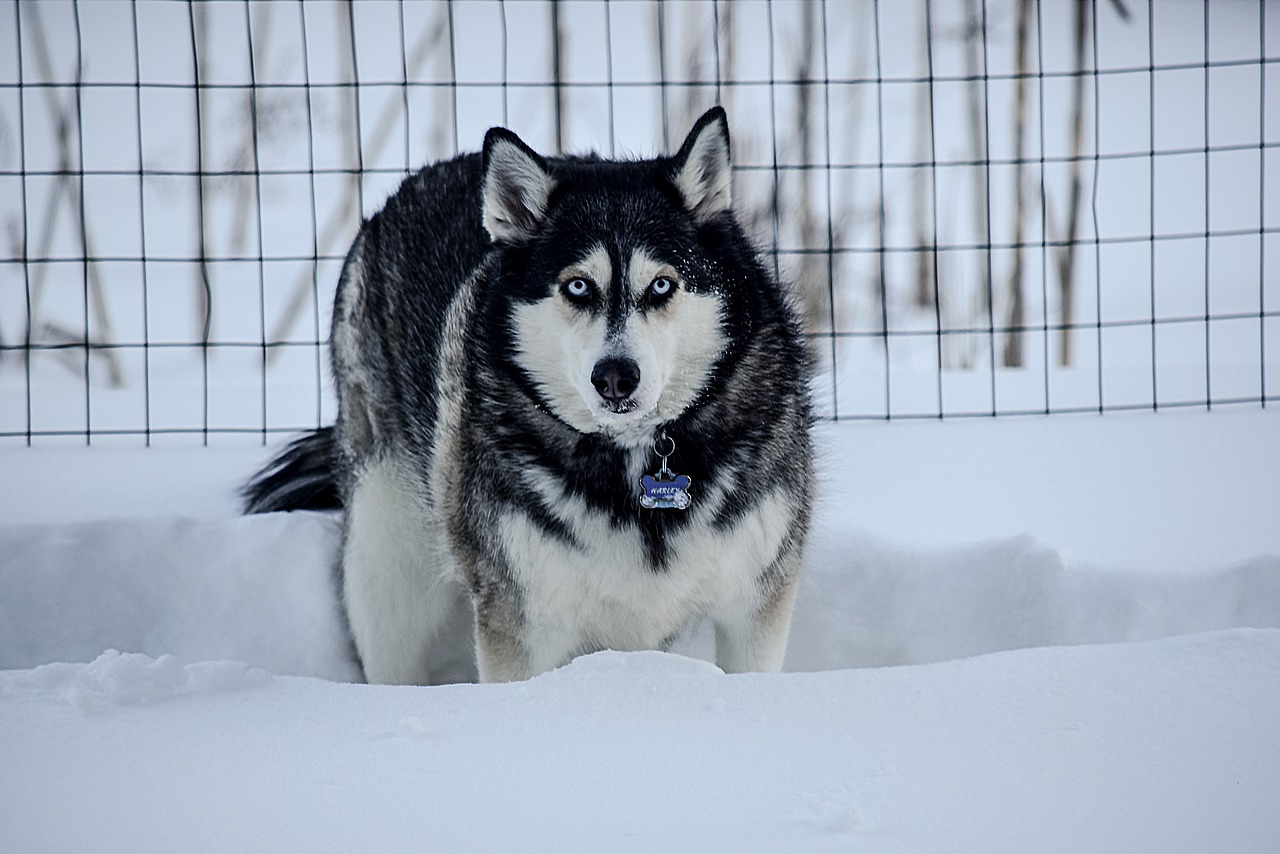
(664, 489)
(665, 493)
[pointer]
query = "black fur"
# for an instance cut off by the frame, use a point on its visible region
(302, 477)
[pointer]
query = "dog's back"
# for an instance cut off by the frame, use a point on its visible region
(401, 274)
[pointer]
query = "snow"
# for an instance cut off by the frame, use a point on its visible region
(250, 588)
(1160, 746)
(1013, 634)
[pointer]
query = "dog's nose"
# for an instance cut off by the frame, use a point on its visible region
(615, 379)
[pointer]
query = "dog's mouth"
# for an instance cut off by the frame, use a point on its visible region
(628, 421)
(620, 407)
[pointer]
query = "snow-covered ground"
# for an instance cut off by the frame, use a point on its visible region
(1023, 634)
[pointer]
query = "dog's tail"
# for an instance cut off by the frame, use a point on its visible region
(302, 477)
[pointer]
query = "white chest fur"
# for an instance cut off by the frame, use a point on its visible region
(601, 591)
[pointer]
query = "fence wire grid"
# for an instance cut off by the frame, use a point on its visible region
(985, 207)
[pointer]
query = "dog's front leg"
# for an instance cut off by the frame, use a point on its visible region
(754, 639)
(509, 648)
(500, 656)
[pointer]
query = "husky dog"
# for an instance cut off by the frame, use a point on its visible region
(573, 415)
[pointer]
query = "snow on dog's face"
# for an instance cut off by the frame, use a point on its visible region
(618, 300)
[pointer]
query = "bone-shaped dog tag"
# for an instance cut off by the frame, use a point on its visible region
(665, 491)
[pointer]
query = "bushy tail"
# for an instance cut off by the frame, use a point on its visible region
(302, 477)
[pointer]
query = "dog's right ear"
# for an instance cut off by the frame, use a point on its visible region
(517, 187)
(702, 171)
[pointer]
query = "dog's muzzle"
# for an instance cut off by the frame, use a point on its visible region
(615, 380)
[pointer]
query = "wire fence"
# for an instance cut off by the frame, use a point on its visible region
(984, 208)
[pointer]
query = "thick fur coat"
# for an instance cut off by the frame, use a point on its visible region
(515, 341)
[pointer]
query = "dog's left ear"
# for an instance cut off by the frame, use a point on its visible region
(702, 171)
(517, 187)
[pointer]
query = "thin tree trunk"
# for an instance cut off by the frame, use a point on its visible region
(812, 291)
(978, 144)
(925, 293)
(557, 72)
(1013, 337)
(204, 294)
(1066, 255)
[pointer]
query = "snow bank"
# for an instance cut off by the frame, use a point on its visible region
(910, 561)
(868, 602)
(262, 590)
(255, 589)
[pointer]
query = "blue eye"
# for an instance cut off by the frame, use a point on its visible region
(578, 290)
(661, 287)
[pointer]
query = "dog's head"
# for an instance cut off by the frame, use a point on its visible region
(618, 276)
